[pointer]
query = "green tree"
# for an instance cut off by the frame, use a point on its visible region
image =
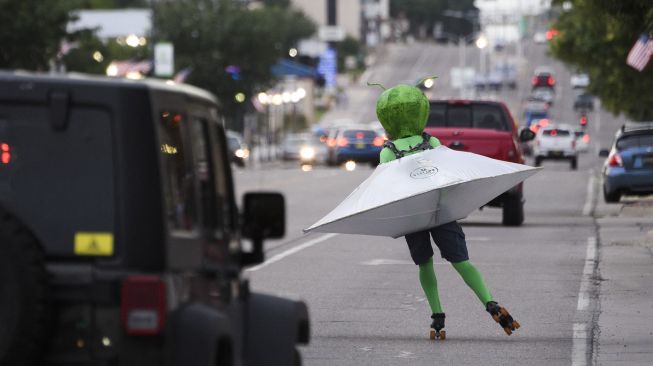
(214, 37)
(595, 37)
(31, 32)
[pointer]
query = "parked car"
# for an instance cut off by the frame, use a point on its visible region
(584, 102)
(579, 81)
(238, 151)
(533, 116)
(306, 148)
(486, 128)
(628, 168)
(360, 144)
(120, 234)
(556, 142)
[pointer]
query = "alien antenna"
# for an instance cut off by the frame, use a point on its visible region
(376, 84)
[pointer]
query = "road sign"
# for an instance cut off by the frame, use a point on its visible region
(164, 59)
(328, 67)
(331, 33)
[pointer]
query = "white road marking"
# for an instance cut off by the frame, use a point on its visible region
(579, 350)
(589, 198)
(588, 271)
(581, 335)
(291, 251)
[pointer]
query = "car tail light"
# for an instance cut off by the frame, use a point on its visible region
(360, 135)
(586, 138)
(331, 142)
(551, 81)
(5, 153)
(615, 160)
(534, 80)
(554, 133)
(543, 122)
(143, 305)
(378, 141)
(583, 120)
(342, 142)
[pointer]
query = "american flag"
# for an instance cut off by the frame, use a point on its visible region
(640, 53)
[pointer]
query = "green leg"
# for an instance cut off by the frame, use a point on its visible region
(430, 285)
(474, 280)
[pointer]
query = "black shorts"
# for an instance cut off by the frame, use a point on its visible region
(449, 238)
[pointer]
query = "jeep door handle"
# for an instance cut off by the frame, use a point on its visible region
(457, 145)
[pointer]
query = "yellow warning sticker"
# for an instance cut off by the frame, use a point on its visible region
(98, 244)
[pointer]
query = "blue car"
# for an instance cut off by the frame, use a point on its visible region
(362, 145)
(628, 168)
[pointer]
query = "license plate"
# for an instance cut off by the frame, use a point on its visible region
(360, 145)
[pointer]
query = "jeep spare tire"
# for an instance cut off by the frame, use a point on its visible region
(23, 287)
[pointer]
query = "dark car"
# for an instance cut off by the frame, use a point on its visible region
(584, 102)
(543, 78)
(628, 168)
(238, 151)
(486, 128)
(358, 144)
(306, 148)
(120, 233)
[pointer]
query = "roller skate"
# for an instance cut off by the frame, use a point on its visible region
(501, 316)
(437, 327)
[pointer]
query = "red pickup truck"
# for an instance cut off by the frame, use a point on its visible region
(486, 128)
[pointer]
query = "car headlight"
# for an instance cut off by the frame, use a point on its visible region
(242, 153)
(307, 153)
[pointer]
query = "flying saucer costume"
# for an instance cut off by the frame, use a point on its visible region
(403, 111)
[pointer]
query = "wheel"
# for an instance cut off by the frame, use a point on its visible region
(513, 210)
(23, 285)
(538, 161)
(611, 197)
(574, 163)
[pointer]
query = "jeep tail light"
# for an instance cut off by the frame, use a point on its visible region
(5, 153)
(551, 81)
(534, 80)
(143, 305)
(583, 120)
(378, 141)
(614, 160)
(342, 142)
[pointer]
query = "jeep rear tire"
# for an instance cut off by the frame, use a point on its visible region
(538, 161)
(23, 285)
(513, 210)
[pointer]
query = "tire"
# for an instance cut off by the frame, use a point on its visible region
(23, 285)
(574, 163)
(538, 161)
(611, 197)
(297, 358)
(513, 210)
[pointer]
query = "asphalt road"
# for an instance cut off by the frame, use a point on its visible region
(363, 293)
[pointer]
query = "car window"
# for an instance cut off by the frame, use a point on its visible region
(359, 134)
(467, 116)
(556, 133)
(178, 167)
(631, 141)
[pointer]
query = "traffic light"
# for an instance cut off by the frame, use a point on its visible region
(583, 120)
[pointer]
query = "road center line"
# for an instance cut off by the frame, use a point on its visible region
(589, 198)
(291, 251)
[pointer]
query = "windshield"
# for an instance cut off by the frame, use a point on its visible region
(631, 141)
(488, 116)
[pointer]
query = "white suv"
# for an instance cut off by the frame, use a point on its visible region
(556, 142)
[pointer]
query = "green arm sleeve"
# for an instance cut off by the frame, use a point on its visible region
(386, 155)
(434, 142)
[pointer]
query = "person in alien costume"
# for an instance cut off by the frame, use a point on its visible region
(403, 111)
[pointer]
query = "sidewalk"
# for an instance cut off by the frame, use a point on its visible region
(625, 322)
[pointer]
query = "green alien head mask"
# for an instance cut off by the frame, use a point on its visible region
(402, 111)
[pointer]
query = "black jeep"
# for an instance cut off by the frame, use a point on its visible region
(120, 237)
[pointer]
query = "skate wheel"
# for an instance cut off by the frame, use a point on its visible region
(443, 335)
(432, 335)
(516, 324)
(508, 331)
(495, 317)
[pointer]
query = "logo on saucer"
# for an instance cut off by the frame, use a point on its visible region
(423, 172)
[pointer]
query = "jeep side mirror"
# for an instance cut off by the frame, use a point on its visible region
(526, 135)
(264, 217)
(604, 153)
